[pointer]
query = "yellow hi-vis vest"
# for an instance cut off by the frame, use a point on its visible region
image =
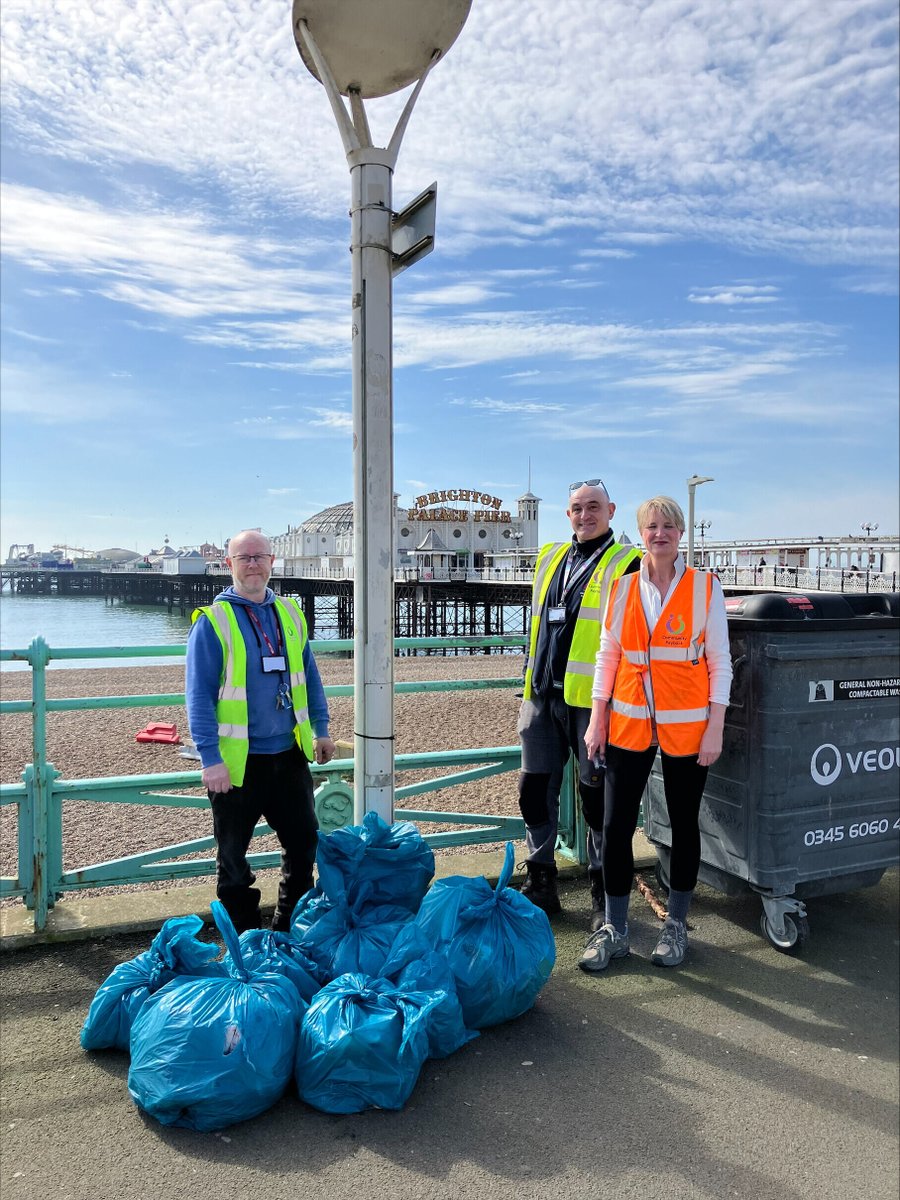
(674, 654)
(578, 680)
(231, 706)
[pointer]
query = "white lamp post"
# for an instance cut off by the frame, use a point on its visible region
(692, 484)
(362, 49)
(516, 535)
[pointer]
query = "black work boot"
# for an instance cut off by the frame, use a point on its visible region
(243, 909)
(540, 886)
(281, 921)
(598, 900)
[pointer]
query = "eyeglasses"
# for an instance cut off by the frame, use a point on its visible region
(245, 559)
(573, 487)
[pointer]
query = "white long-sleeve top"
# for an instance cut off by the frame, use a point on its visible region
(718, 654)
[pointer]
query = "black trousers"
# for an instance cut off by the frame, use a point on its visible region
(627, 772)
(278, 787)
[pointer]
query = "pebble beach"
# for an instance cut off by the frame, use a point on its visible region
(101, 743)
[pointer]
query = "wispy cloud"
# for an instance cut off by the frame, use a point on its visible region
(871, 285)
(506, 407)
(735, 294)
(158, 261)
(609, 252)
(777, 123)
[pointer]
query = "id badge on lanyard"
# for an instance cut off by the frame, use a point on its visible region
(271, 661)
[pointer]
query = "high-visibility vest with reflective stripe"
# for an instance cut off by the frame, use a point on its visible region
(231, 705)
(579, 675)
(675, 657)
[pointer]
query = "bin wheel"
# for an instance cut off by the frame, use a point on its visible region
(796, 933)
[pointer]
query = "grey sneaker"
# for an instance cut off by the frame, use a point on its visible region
(672, 944)
(603, 945)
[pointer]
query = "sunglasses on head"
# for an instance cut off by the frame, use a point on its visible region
(573, 487)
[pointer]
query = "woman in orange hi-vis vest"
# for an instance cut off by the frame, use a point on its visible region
(661, 683)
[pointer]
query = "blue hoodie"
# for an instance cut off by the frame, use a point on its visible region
(271, 727)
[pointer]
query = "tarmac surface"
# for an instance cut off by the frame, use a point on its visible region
(745, 1073)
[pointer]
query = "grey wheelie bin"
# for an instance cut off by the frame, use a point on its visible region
(805, 798)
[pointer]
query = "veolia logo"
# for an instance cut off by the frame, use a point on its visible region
(825, 765)
(675, 625)
(827, 762)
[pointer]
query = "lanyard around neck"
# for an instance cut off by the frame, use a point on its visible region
(256, 624)
(573, 574)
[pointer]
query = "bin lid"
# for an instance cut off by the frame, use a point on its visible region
(789, 609)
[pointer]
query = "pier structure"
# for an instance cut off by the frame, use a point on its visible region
(437, 598)
(422, 608)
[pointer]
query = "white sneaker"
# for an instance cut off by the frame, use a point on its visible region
(672, 945)
(607, 943)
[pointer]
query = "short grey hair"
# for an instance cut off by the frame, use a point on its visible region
(665, 506)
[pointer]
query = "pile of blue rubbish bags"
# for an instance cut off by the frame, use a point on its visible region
(379, 972)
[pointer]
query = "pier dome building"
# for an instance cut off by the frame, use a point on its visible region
(448, 530)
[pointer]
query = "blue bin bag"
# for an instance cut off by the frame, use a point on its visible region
(267, 952)
(206, 1053)
(343, 941)
(499, 945)
(380, 863)
(415, 967)
(307, 910)
(175, 951)
(362, 1044)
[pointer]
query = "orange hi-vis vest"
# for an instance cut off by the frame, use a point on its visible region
(674, 654)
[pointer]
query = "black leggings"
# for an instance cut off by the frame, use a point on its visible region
(627, 772)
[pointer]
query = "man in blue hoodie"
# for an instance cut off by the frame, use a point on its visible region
(258, 715)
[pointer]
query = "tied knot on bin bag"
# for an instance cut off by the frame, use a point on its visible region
(499, 945)
(378, 863)
(362, 1044)
(371, 881)
(206, 1053)
(176, 951)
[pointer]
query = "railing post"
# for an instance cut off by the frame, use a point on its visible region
(46, 838)
(572, 827)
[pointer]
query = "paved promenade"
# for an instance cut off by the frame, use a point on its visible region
(744, 1074)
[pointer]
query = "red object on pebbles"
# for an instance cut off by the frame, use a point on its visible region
(159, 732)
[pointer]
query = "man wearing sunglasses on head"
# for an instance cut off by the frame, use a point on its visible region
(572, 581)
(258, 716)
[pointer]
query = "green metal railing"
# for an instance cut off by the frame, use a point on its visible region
(41, 878)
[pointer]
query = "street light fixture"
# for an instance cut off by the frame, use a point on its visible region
(868, 529)
(703, 526)
(692, 484)
(362, 49)
(516, 535)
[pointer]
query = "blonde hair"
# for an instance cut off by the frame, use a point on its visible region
(665, 506)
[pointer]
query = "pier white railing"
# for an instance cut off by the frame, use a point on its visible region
(769, 578)
(807, 579)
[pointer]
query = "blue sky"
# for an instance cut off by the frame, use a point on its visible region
(666, 245)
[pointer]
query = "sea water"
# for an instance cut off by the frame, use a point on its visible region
(88, 621)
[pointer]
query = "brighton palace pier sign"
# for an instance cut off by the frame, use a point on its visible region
(427, 507)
